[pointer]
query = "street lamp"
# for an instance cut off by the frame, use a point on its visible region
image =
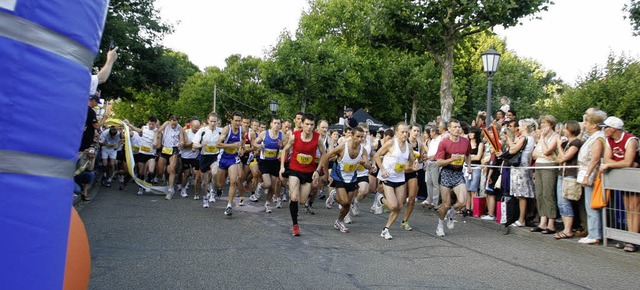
(273, 106)
(490, 60)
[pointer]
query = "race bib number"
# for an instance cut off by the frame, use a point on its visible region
(304, 159)
(416, 154)
(111, 145)
(360, 167)
(233, 150)
(135, 149)
(400, 167)
(211, 149)
(270, 153)
(458, 162)
(145, 149)
(350, 167)
(247, 146)
(167, 150)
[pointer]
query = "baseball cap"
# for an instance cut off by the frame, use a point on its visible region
(96, 98)
(348, 110)
(613, 122)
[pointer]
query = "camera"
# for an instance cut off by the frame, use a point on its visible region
(112, 45)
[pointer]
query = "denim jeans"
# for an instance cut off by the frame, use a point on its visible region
(594, 216)
(564, 205)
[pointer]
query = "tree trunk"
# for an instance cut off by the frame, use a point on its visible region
(446, 79)
(414, 109)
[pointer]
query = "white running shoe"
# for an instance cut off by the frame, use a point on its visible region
(450, 222)
(212, 197)
(405, 226)
(205, 203)
(183, 192)
(140, 191)
(347, 219)
(121, 178)
(278, 203)
(241, 203)
(284, 197)
(169, 194)
(179, 187)
(253, 198)
(440, 231)
(488, 218)
(354, 207)
(331, 199)
(267, 208)
(587, 240)
(386, 235)
(338, 225)
(196, 196)
(228, 211)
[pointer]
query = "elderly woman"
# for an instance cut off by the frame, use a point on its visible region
(521, 179)
(545, 154)
(567, 155)
(589, 162)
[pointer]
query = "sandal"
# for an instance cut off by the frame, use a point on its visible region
(629, 248)
(536, 230)
(547, 232)
(562, 235)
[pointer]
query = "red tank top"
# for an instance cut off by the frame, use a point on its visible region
(303, 156)
(619, 148)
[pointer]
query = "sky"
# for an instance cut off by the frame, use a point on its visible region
(570, 39)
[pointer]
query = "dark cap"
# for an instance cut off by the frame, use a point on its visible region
(348, 110)
(95, 98)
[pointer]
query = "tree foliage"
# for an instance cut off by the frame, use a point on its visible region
(633, 14)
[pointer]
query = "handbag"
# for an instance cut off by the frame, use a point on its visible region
(571, 189)
(598, 200)
(514, 159)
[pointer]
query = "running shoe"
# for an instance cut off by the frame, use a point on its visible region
(205, 203)
(331, 199)
(253, 198)
(354, 208)
(386, 235)
(375, 204)
(267, 208)
(183, 192)
(212, 197)
(259, 187)
(121, 178)
(338, 225)
(321, 195)
(278, 203)
(425, 203)
(347, 219)
(241, 201)
(179, 187)
(440, 231)
(140, 191)
(196, 196)
(228, 211)
(450, 221)
(308, 210)
(296, 230)
(169, 194)
(405, 226)
(488, 218)
(109, 181)
(284, 197)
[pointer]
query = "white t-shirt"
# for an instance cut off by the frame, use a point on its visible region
(94, 85)
(111, 142)
(208, 139)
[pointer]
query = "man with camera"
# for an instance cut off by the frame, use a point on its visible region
(84, 173)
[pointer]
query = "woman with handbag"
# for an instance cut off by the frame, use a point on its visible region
(568, 189)
(545, 154)
(589, 162)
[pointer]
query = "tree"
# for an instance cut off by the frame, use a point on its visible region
(438, 26)
(633, 14)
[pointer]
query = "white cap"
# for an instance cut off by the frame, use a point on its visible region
(613, 122)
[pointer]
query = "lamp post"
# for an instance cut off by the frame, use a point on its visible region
(273, 106)
(490, 60)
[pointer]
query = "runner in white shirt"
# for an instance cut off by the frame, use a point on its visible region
(189, 157)
(170, 141)
(110, 140)
(206, 139)
(146, 158)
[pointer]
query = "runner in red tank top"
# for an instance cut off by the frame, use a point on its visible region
(303, 169)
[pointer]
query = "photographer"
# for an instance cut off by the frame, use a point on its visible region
(349, 120)
(84, 174)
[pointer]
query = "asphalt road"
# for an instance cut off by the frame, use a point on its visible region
(146, 242)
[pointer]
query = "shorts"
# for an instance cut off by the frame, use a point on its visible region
(245, 159)
(188, 163)
(451, 178)
(143, 158)
(286, 172)
(362, 179)
(410, 175)
(271, 167)
(303, 177)
(120, 155)
(167, 156)
(349, 187)
(227, 162)
(254, 162)
(206, 161)
(393, 184)
(108, 153)
(473, 182)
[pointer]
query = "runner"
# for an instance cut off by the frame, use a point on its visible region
(206, 139)
(147, 156)
(189, 156)
(376, 207)
(233, 145)
(453, 152)
(362, 174)
(110, 140)
(392, 167)
(170, 139)
(322, 129)
(301, 169)
(245, 159)
(252, 167)
(411, 177)
(268, 144)
(350, 155)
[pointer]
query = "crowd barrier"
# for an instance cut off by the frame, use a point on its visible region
(616, 218)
